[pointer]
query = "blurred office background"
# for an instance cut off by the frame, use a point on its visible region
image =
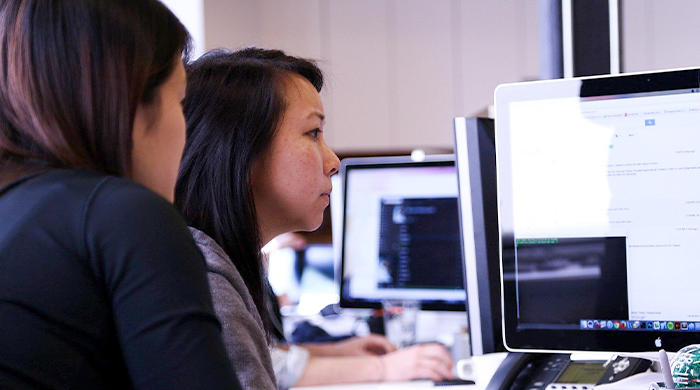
(400, 70)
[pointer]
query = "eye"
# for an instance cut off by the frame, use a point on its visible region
(314, 133)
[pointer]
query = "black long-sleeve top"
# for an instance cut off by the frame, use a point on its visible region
(102, 287)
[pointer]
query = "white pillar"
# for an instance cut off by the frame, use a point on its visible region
(191, 14)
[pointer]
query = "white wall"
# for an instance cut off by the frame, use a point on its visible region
(191, 14)
(660, 34)
(398, 70)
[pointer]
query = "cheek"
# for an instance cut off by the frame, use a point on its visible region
(181, 131)
(174, 133)
(178, 124)
(297, 173)
(308, 167)
(170, 142)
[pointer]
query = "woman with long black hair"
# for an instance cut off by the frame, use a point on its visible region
(255, 166)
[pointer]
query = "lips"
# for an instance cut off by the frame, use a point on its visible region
(326, 197)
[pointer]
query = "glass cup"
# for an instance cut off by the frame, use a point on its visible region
(461, 347)
(400, 321)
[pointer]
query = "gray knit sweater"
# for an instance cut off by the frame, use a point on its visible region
(242, 328)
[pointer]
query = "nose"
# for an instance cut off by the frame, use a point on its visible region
(331, 163)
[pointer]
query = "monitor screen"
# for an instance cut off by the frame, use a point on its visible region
(599, 193)
(401, 233)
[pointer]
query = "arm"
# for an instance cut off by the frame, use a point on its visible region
(243, 336)
(428, 361)
(337, 370)
(154, 276)
(356, 346)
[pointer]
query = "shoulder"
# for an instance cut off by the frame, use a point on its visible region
(216, 257)
(228, 288)
(72, 181)
(72, 202)
(91, 190)
(126, 196)
(67, 186)
(126, 223)
(218, 262)
(120, 205)
(242, 330)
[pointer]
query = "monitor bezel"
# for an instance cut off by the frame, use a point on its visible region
(475, 154)
(530, 340)
(349, 164)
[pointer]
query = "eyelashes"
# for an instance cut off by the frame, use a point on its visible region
(314, 133)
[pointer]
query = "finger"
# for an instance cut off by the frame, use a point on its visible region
(437, 367)
(426, 373)
(437, 352)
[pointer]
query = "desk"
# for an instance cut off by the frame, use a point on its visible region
(635, 382)
(389, 386)
(485, 365)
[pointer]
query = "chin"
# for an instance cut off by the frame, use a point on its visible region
(313, 225)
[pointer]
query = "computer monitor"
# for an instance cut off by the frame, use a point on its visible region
(336, 207)
(475, 153)
(599, 193)
(401, 233)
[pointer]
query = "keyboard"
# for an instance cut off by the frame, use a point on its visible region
(454, 382)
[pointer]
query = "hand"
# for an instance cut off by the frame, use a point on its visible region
(425, 361)
(367, 345)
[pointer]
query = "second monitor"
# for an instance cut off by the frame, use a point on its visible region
(401, 237)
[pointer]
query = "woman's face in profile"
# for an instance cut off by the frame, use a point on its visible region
(291, 182)
(159, 136)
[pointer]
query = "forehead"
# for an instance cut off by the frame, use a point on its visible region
(300, 94)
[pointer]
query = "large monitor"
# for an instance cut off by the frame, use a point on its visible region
(599, 193)
(475, 153)
(401, 233)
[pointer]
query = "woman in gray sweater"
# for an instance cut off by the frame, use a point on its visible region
(255, 166)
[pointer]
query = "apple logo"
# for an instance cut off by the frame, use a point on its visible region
(657, 342)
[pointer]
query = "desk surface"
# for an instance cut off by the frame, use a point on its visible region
(635, 382)
(422, 384)
(485, 365)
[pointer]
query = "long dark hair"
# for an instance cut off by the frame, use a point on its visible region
(72, 74)
(234, 105)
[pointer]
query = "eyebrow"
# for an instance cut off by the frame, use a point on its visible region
(319, 115)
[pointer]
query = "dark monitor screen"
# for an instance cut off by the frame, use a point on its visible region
(599, 194)
(475, 152)
(401, 233)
